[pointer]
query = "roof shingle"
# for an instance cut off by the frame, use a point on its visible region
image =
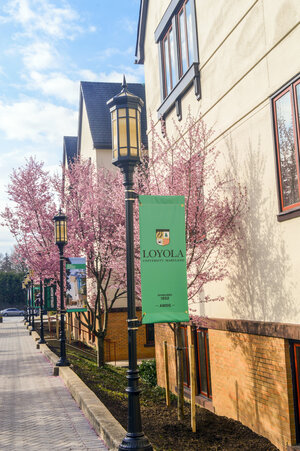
(70, 148)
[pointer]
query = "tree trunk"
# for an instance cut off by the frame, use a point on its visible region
(100, 351)
(179, 364)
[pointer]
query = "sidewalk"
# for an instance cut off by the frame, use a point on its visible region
(37, 411)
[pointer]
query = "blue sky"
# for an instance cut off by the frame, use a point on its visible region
(47, 47)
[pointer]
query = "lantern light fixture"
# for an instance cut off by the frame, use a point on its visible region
(125, 109)
(60, 228)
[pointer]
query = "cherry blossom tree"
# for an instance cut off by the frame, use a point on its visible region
(96, 228)
(188, 165)
(29, 219)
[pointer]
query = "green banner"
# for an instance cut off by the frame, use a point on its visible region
(76, 295)
(163, 259)
(36, 292)
(50, 300)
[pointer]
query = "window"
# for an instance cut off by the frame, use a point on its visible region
(79, 325)
(295, 366)
(168, 51)
(150, 334)
(89, 322)
(286, 114)
(185, 37)
(178, 54)
(203, 363)
(185, 357)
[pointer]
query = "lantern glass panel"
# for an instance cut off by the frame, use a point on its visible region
(139, 129)
(64, 231)
(132, 112)
(122, 112)
(133, 132)
(115, 140)
(123, 136)
(133, 151)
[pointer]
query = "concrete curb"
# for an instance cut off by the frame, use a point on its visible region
(105, 425)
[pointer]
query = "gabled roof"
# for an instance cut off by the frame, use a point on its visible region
(70, 149)
(95, 95)
(140, 39)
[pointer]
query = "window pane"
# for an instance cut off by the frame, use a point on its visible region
(167, 67)
(286, 150)
(189, 28)
(202, 363)
(298, 101)
(297, 370)
(185, 357)
(183, 43)
(150, 333)
(208, 365)
(172, 53)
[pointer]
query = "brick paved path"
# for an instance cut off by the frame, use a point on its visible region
(36, 410)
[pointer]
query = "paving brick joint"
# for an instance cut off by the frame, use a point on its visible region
(37, 412)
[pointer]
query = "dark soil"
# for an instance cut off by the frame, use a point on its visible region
(160, 423)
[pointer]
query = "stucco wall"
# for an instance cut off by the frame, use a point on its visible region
(247, 51)
(86, 143)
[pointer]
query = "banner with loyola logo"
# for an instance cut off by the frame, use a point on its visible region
(163, 259)
(76, 284)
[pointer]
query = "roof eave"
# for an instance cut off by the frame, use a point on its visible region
(139, 49)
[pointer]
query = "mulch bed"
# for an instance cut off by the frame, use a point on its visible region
(160, 423)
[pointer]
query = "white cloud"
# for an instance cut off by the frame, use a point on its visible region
(55, 84)
(41, 16)
(115, 76)
(128, 25)
(113, 51)
(88, 75)
(36, 121)
(133, 75)
(40, 56)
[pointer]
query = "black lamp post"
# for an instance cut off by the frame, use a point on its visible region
(25, 287)
(125, 111)
(29, 304)
(60, 228)
(42, 338)
(28, 289)
(32, 303)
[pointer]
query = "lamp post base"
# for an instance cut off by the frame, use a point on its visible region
(42, 341)
(62, 362)
(135, 441)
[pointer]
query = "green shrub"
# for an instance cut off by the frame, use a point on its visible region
(148, 371)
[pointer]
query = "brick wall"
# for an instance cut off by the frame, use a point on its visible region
(164, 333)
(251, 380)
(116, 340)
(117, 332)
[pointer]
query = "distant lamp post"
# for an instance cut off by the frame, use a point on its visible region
(25, 287)
(125, 109)
(60, 229)
(32, 302)
(42, 338)
(28, 288)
